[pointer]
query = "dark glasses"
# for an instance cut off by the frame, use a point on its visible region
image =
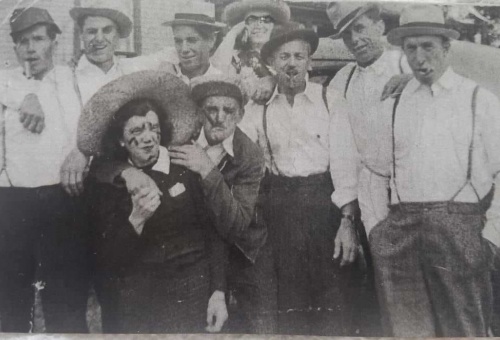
(252, 19)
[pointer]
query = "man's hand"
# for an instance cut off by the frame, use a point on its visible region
(395, 85)
(144, 204)
(264, 90)
(31, 114)
(73, 172)
(192, 157)
(216, 310)
(346, 242)
(136, 181)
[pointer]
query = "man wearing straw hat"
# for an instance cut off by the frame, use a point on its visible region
(434, 251)
(194, 38)
(313, 241)
(41, 235)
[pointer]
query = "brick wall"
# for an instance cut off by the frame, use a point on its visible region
(153, 13)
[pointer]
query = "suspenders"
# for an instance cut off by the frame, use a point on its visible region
(470, 154)
(349, 80)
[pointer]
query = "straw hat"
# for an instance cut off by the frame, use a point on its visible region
(288, 32)
(165, 89)
(112, 9)
(194, 19)
(343, 14)
(237, 11)
(421, 20)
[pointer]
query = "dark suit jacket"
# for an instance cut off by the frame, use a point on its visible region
(231, 192)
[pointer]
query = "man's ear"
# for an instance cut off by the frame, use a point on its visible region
(212, 39)
(380, 25)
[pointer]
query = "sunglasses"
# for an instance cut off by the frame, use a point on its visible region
(252, 19)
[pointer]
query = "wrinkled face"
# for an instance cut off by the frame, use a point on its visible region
(192, 49)
(363, 39)
(141, 139)
(259, 25)
(35, 49)
(291, 60)
(221, 116)
(427, 56)
(100, 39)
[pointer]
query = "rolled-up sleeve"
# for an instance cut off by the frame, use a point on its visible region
(490, 135)
(344, 156)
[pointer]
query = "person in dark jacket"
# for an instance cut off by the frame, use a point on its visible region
(159, 262)
(231, 168)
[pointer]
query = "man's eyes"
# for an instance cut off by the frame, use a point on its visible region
(108, 29)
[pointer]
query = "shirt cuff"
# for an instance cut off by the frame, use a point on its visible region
(341, 198)
(492, 234)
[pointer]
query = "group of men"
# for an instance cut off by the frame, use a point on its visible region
(286, 180)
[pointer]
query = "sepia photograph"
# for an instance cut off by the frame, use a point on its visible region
(272, 168)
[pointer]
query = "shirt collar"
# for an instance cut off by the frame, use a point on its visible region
(448, 81)
(210, 72)
(85, 65)
(162, 163)
(227, 144)
(379, 65)
(307, 91)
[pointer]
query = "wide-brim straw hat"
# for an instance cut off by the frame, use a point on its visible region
(285, 33)
(194, 19)
(343, 13)
(237, 11)
(419, 20)
(170, 93)
(111, 9)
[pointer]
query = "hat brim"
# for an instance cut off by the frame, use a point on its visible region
(396, 36)
(165, 89)
(301, 34)
(235, 13)
(361, 12)
(123, 22)
(188, 22)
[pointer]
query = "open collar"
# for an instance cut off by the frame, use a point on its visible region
(227, 144)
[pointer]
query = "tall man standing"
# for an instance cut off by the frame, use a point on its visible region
(39, 225)
(306, 229)
(359, 131)
(433, 253)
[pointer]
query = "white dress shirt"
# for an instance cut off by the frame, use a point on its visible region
(298, 135)
(211, 71)
(360, 127)
(34, 160)
(433, 130)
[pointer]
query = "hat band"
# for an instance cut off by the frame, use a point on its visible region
(345, 20)
(425, 24)
(195, 17)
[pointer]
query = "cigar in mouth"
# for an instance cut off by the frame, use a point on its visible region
(27, 70)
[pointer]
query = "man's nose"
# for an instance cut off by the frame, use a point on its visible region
(99, 36)
(220, 117)
(31, 46)
(355, 38)
(420, 56)
(184, 47)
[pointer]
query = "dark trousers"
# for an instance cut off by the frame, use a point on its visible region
(158, 298)
(432, 270)
(43, 238)
(252, 293)
(313, 290)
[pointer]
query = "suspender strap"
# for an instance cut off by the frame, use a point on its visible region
(471, 148)
(4, 144)
(349, 81)
(264, 125)
(77, 88)
(324, 90)
(401, 71)
(396, 103)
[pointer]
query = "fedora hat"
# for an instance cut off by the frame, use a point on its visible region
(169, 92)
(421, 20)
(343, 13)
(112, 9)
(216, 85)
(285, 33)
(194, 19)
(237, 11)
(24, 18)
